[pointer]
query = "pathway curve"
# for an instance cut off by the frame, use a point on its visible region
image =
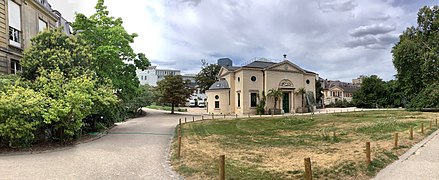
(420, 162)
(136, 149)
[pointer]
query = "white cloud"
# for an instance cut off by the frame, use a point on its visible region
(339, 39)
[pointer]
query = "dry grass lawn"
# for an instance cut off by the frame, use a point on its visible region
(274, 148)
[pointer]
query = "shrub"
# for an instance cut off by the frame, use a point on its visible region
(21, 112)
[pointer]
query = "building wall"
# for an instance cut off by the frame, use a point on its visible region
(248, 87)
(238, 87)
(223, 101)
(30, 12)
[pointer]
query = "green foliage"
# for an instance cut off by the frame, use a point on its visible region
(174, 90)
(110, 44)
(53, 49)
(21, 111)
(416, 55)
(372, 93)
(427, 98)
(275, 94)
(207, 76)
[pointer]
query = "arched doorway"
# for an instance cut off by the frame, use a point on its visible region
(287, 88)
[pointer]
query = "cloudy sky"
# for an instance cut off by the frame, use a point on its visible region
(338, 39)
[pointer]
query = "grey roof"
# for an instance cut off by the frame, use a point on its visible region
(347, 87)
(221, 84)
(260, 64)
(231, 68)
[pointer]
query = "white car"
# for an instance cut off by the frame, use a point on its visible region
(201, 104)
(192, 103)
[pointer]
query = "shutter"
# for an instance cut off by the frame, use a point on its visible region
(14, 15)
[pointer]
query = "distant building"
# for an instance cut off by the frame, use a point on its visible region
(240, 89)
(224, 62)
(20, 21)
(334, 91)
(152, 75)
(359, 80)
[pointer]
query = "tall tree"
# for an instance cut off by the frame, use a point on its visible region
(372, 93)
(416, 55)
(319, 92)
(111, 50)
(174, 90)
(53, 49)
(207, 76)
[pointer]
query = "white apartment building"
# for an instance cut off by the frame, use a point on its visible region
(152, 75)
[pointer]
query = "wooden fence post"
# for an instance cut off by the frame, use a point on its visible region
(308, 171)
(184, 119)
(193, 118)
(411, 132)
(213, 116)
(422, 128)
(236, 116)
(368, 153)
(179, 122)
(179, 147)
(222, 172)
(396, 140)
(224, 116)
(202, 117)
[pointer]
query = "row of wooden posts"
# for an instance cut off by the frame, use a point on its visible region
(307, 161)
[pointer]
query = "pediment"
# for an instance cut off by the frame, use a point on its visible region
(286, 66)
(223, 71)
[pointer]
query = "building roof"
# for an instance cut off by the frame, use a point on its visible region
(260, 64)
(231, 68)
(221, 84)
(347, 87)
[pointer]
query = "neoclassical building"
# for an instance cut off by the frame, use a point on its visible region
(334, 91)
(240, 89)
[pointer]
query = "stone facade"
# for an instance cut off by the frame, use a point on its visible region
(20, 20)
(334, 91)
(240, 89)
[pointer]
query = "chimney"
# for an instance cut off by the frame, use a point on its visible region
(285, 57)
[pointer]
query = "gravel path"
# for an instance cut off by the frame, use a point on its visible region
(136, 149)
(420, 162)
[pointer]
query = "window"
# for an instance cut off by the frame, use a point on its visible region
(216, 104)
(42, 25)
(239, 99)
(307, 81)
(239, 79)
(253, 99)
(14, 14)
(216, 97)
(253, 78)
(15, 67)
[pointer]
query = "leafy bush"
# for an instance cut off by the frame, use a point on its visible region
(21, 111)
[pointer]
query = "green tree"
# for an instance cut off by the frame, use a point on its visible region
(276, 94)
(207, 76)
(174, 90)
(53, 49)
(416, 55)
(302, 92)
(372, 93)
(110, 43)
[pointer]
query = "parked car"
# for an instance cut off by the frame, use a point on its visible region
(201, 104)
(192, 103)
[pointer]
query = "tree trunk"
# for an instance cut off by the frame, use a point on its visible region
(172, 108)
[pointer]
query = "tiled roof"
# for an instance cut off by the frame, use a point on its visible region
(347, 87)
(221, 84)
(231, 68)
(260, 64)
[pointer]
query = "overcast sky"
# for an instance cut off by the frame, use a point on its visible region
(338, 39)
